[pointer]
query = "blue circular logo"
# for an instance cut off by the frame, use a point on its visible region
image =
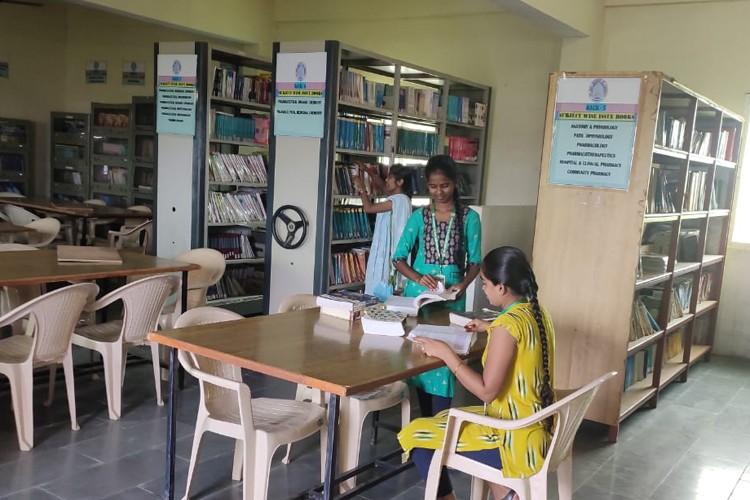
(176, 67)
(598, 90)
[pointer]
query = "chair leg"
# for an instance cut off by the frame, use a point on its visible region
(238, 461)
(261, 469)
(538, 487)
(51, 389)
(112, 356)
(479, 489)
(405, 417)
(195, 452)
(375, 420)
(70, 389)
(157, 368)
(351, 420)
(22, 393)
(303, 392)
(565, 478)
(433, 477)
(323, 447)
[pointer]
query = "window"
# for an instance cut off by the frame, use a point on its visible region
(741, 231)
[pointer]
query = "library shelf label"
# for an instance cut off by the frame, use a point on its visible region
(594, 131)
(134, 72)
(96, 71)
(176, 93)
(299, 109)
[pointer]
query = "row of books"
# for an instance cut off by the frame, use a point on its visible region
(232, 245)
(463, 148)
(68, 177)
(674, 346)
(414, 101)
(225, 167)
(704, 286)
(360, 134)
(113, 120)
(344, 175)
(247, 205)
(695, 191)
(67, 152)
(12, 163)
(238, 281)
(9, 187)
(663, 190)
(251, 128)
(144, 179)
(419, 183)
(227, 83)
(12, 134)
(639, 366)
(682, 289)
(110, 148)
(726, 144)
(114, 176)
(144, 148)
(701, 143)
(670, 130)
(357, 89)
(687, 245)
(350, 222)
(642, 322)
(417, 143)
(462, 110)
(348, 267)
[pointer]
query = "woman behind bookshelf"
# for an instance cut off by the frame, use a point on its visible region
(520, 349)
(391, 218)
(447, 237)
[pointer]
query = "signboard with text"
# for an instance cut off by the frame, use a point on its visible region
(299, 105)
(176, 93)
(594, 132)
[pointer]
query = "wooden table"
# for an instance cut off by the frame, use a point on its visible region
(75, 209)
(303, 347)
(7, 228)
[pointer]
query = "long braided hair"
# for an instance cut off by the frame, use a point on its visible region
(446, 166)
(510, 267)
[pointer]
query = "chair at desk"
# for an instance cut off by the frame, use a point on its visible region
(136, 237)
(13, 296)
(568, 412)
(19, 215)
(212, 268)
(51, 319)
(259, 425)
(142, 301)
(45, 231)
(354, 409)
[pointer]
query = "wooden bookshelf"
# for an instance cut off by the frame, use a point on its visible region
(69, 156)
(144, 152)
(111, 153)
(16, 156)
(673, 206)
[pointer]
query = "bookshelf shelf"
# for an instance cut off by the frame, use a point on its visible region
(347, 286)
(419, 119)
(411, 157)
(683, 165)
(703, 307)
(234, 300)
(698, 352)
(16, 156)
(226, 101)
(238, 184)
(234, 262)
(677, 323)
(369, 109)
(357, 152)
(248, 144)
(350, 241)
(643, 342)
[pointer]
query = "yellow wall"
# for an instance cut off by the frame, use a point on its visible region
(704, 46)
(499, 50)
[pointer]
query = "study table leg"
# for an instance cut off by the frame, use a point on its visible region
(329, 485)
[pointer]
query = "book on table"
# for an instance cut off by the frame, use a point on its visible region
(89, 255)
(346, 300)
(455, 336)
(411, 305)
(463, 318)
(383, 322)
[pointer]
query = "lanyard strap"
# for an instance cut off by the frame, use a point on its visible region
(444, 252)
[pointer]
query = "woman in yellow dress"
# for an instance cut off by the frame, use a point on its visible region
(516, 380)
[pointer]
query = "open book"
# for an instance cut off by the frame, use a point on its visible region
(463, 318)
(84, 254)
(411, 305)
(455, 336)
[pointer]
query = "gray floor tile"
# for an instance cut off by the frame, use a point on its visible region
(32, 494)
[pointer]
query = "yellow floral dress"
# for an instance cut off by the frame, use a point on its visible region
(522, 451)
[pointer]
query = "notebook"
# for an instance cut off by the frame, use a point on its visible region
(92, 255)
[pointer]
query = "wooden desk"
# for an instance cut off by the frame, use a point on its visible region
(75, 209)
(304, 347)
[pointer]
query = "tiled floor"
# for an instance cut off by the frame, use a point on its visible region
(696, 445)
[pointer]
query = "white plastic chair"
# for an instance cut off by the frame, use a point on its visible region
(568, 412)
(142, 301)
(212, 268)
(353, 409)
(44, 232)
(132, 237)
(19, 215)
(52, 318)
(259, 425)
(13, 296)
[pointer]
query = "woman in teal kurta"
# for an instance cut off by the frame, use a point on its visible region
(447, 237)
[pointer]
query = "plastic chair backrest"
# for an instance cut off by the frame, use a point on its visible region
(95, 201)
(19, 215)
(141, 208)
(194, 363)
(142, 301)
(570, 410)
(297, 302)
(134, 237)
(212, 264)
(45, 231)
(55, 315)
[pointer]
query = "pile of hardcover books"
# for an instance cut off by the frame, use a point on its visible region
(345, 304)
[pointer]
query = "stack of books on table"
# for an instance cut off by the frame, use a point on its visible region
(345, 304)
